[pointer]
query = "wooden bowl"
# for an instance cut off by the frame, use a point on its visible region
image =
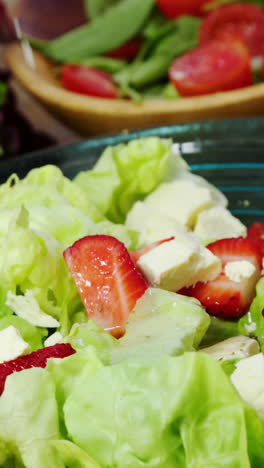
(95, 116)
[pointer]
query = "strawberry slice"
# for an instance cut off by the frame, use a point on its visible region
(36, 359)
(107, 279)
(136, 254)
(224, 297)
(256, 233)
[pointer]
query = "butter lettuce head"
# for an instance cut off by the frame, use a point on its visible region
(127, 173)
(174, 413)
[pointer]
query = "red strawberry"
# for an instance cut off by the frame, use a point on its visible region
(136, 254)
(256, 233)
(222, 296)
(36, 359)
(107, 279)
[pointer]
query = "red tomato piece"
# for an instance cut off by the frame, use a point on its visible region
(174, 8)
(89, 81)
(217, 66)
(241, 20)
(127, 51)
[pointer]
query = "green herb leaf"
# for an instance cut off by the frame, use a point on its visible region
(150, 71)
(105, 33)
(107, 64)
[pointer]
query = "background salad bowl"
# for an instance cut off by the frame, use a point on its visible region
(97, 116)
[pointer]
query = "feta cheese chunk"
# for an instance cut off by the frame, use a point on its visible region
(27, 307)
(248, 378)
(218, 223)
(12, 344)
(243, 272)
(181, 199)
(178, 263)
(152, 225)
(239, 270)
(237, 347)
(53, 339)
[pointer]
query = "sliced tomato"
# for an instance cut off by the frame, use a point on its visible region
(217, 66)
(241, 20)
(127, 51)
(174, 8)
(89, 81)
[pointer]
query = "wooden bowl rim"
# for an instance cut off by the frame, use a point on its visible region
(51, 93)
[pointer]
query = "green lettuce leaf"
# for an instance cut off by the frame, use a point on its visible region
(46, 186)
(127, 173)
(162, 322)
(252, 324)
(73, 456)
(56, 205)
(26, 426)
(255, 437)
(30, 435)
(66, 373)
(174, 412)
(219, 330)
(33, 262)
(90, 334)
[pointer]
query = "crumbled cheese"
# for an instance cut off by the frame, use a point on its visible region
(53, 339)
(239, 270)
(27, 307)
(251, 327)
(12, 344)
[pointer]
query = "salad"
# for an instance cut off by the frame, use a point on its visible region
(131, 318)
(166, 48)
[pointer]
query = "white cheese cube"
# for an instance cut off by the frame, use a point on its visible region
(243, 272)
(181, 200)
(218, 223)
(208, 266)
(237, 347)
(248, 378)
(152, 225)
(12, 344)
(178, 263)
(53, 339)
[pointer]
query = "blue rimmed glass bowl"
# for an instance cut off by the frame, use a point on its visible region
(228, 153)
